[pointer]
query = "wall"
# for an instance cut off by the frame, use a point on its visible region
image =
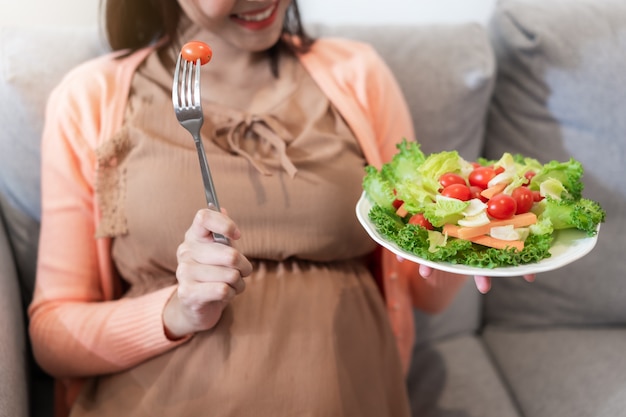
(48, 12)
(396, 11)
(78, 12)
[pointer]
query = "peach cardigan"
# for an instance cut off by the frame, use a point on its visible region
(76, 312)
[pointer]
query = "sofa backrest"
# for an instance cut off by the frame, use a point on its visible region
(33, 60)
(446, 72)
(561, 93)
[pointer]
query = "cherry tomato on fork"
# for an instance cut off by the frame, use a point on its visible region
(194, 50)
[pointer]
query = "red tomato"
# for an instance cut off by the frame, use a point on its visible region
(523, 198)
(194, 50)
(529, 175)
(458, 191)
(499, 170)
(420, 220)
(451, 178)
(501, 206)
(397, 202)
(537, 196)
(480, 177)
(475, 190)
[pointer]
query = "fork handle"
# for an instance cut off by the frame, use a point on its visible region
(209, 188)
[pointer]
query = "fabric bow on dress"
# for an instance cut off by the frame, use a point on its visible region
(261, 139)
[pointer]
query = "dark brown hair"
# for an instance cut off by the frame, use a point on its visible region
(134, 24)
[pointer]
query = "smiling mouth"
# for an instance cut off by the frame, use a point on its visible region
(257, 16)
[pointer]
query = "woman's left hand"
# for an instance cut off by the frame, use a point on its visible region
(483, 283)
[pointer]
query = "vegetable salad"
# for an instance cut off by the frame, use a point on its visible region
(485, 213)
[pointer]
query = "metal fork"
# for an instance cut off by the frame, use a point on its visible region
(188, 109)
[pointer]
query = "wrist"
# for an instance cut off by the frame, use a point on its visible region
(174, 324)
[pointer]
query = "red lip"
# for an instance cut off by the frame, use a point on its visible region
(257, 25)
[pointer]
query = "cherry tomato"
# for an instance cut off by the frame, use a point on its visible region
(475, 191)
(501, 206)
(480, 177)
(451, 178)
(523, 198)
(529, 175)
(537, 196)
(458, 191)
(194, 50)
(420, 220)
(397, 203)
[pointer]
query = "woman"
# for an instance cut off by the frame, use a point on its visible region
(153, 317)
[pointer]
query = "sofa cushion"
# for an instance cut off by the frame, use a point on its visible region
(559, 94)
(565, 372)
(456, 377)
(13, 387)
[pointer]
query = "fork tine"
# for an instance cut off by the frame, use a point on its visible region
(185, 88)
(196, 85)
(176, 86)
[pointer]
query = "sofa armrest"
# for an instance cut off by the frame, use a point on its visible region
(13, 352)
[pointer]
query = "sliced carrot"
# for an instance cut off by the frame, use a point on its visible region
(493, 190)
(492, 242)
(402, 211)
(485, 240)
(519, 220)
(451, 229)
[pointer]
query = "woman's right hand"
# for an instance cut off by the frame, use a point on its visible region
(209, 274)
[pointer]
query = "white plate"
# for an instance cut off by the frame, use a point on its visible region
(568, 246)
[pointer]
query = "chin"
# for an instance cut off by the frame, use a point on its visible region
(261, 45)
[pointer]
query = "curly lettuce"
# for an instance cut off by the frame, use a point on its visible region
(582, 214)
(416, 240)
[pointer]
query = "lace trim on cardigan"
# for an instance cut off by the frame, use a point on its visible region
(111, 185)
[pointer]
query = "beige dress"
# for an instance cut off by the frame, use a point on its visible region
(309, 336)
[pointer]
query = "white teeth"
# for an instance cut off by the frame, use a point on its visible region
(256, 17)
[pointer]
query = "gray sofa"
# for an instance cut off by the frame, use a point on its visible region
(544, 78)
